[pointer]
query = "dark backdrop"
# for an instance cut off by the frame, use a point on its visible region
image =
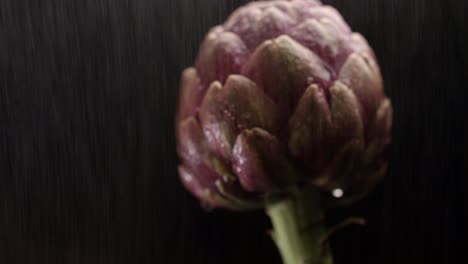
(87, 163)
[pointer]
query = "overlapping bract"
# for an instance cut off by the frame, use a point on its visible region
(283, 94)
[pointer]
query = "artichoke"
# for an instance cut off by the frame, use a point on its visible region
(282, 95)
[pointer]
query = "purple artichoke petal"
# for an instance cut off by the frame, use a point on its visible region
(199, 161)
(238, 198)
(192, 183)
(191, 94)
(303, 7)
(196, 155)
(257, 24)
(222, 53)
(379, 132)
(209, 196)
(192, 147)
(345, 112)
(194, 150)
(346, 140)
(227, 111)
(288, 8)
(320, 36)
(260, 162)
(309, 127)
(326, 39)
(349, 44)
(229, 187)
(284, 69)
(219, 133)
(215, 183)
(341, 167)
(383, 121)
(362, 75)
(328, 13)
(241, 21)
(345, 161)
(271, 24)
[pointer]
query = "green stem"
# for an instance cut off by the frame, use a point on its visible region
(298, 228)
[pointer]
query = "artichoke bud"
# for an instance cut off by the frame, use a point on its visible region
(282, 95)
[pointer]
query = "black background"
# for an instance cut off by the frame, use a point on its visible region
(88, 91)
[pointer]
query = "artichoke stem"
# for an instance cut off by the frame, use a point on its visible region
(298, 228)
